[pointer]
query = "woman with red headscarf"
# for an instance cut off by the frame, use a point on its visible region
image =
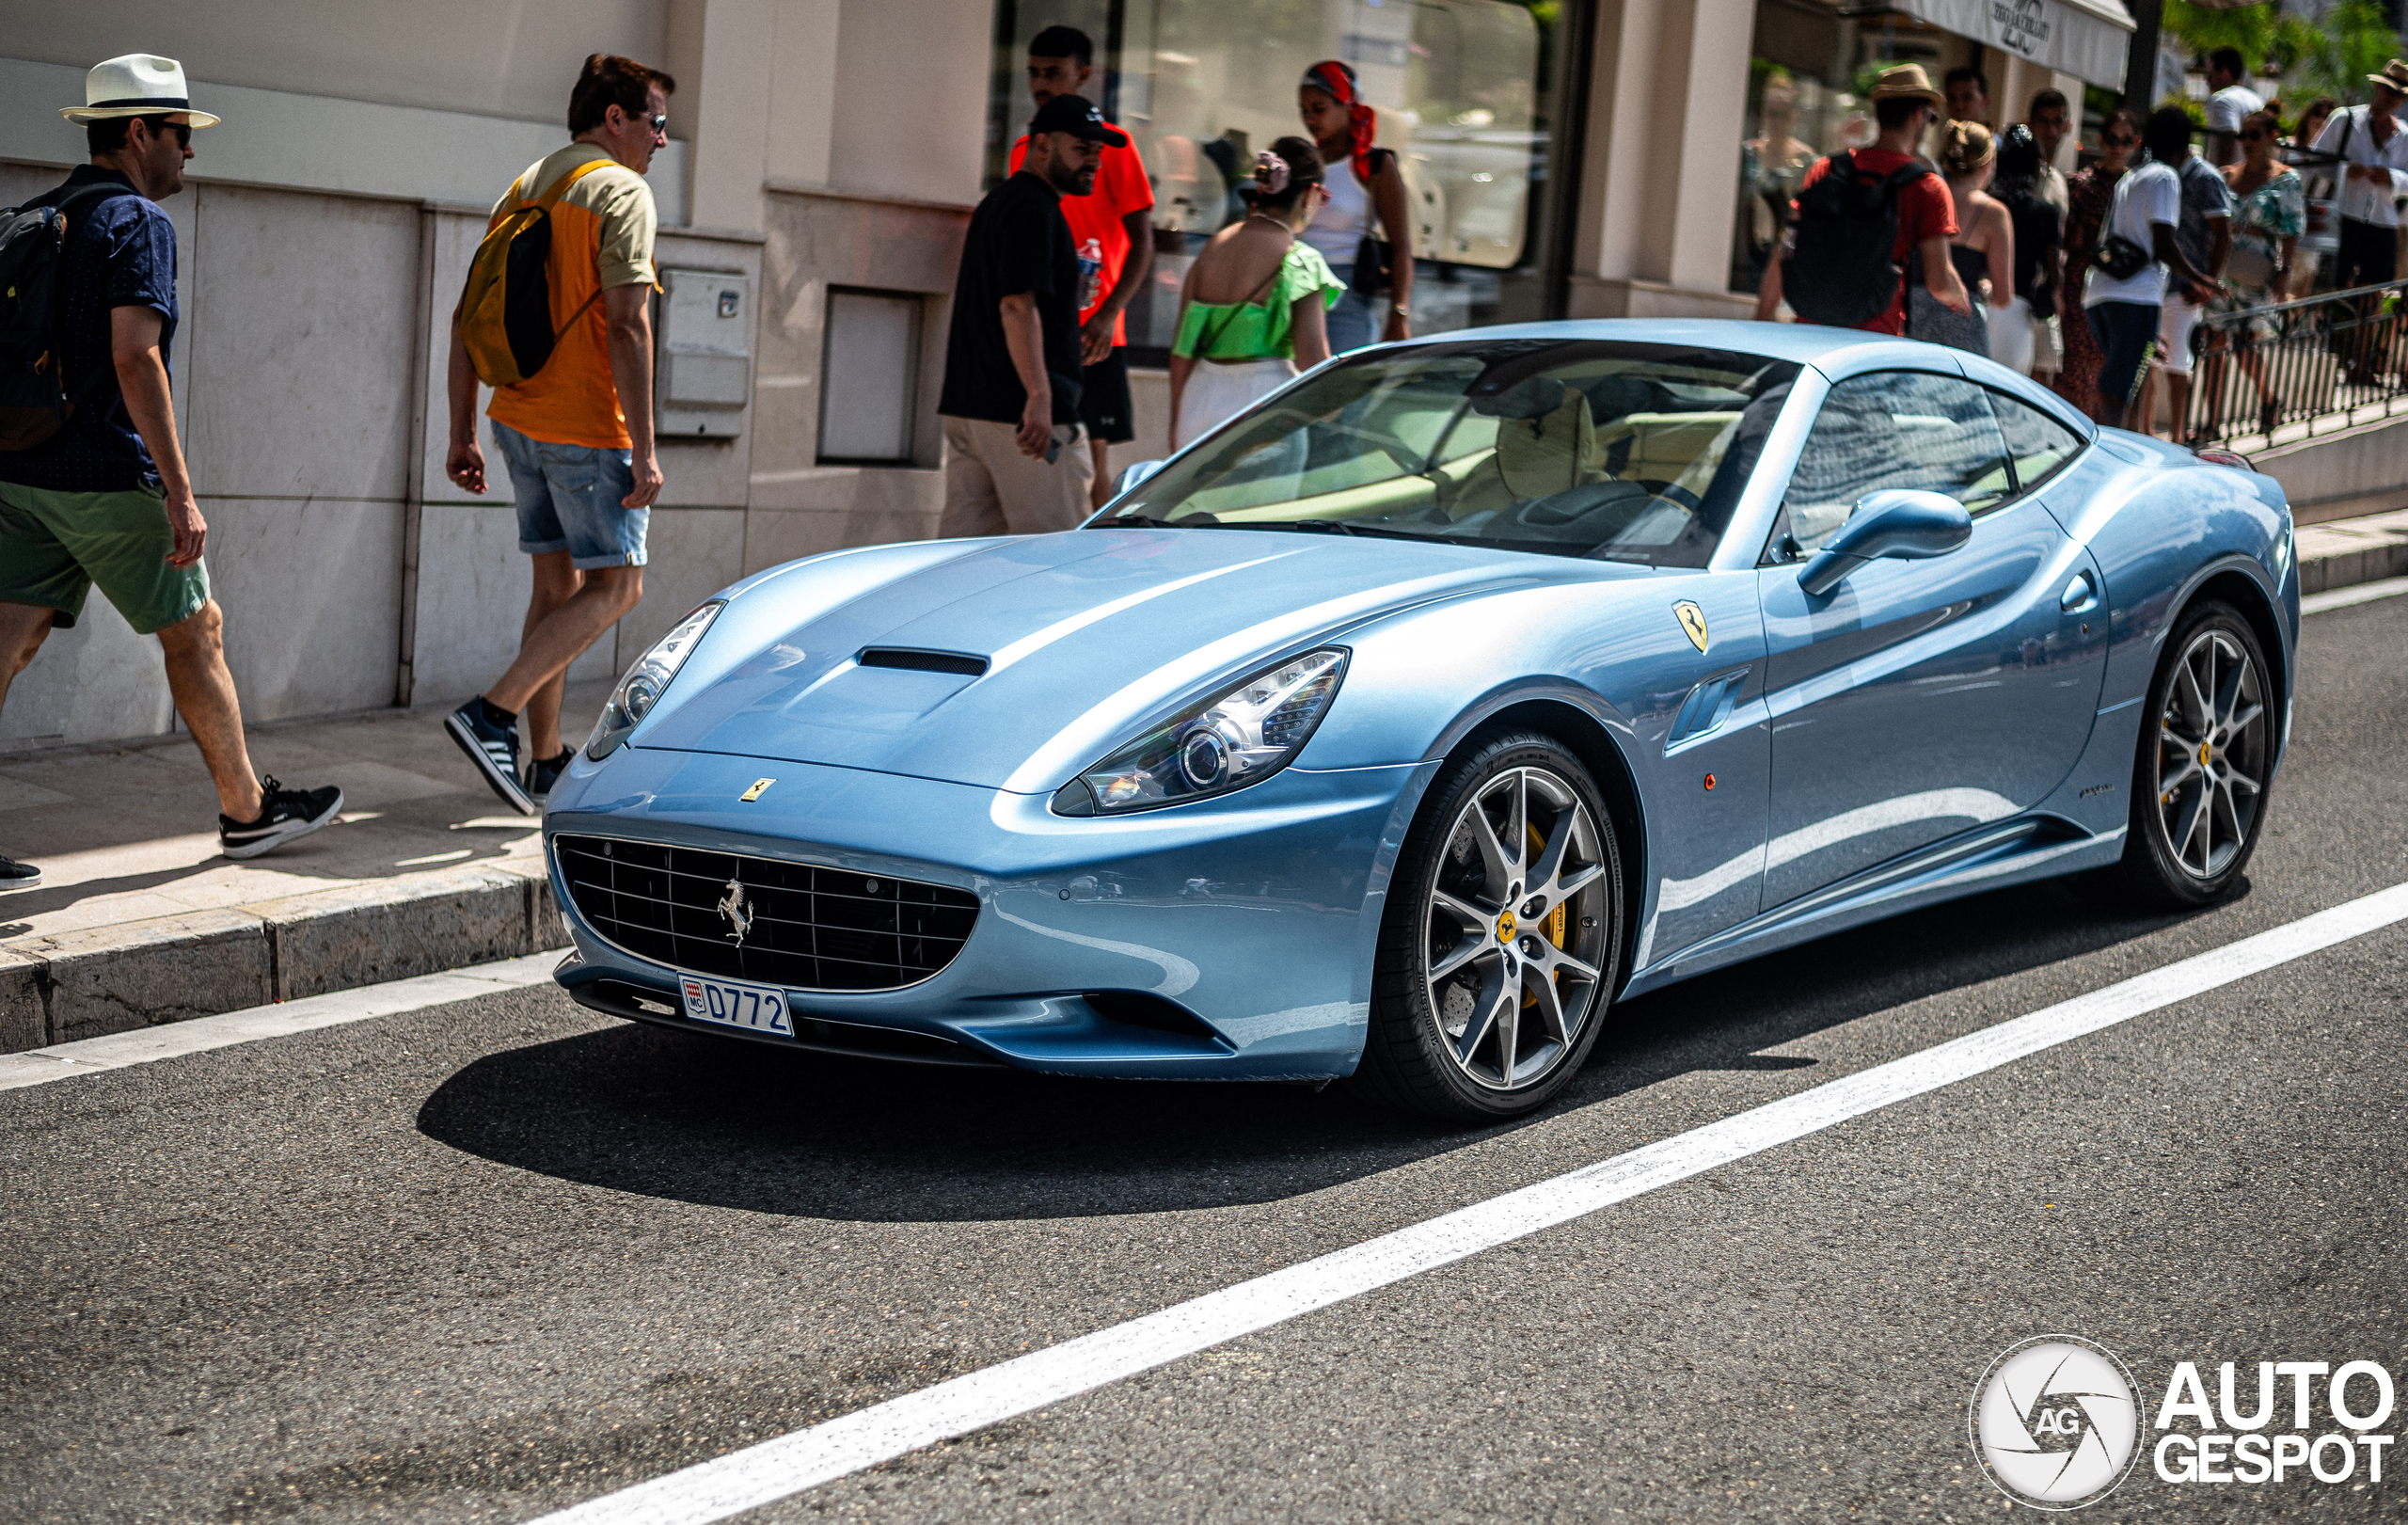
(1366, 188)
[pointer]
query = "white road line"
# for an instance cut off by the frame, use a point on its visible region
(91, 1056)
(773, 1469)
(2364, 593)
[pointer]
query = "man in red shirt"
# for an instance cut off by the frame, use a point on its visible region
(1114, 228)
(1904, 107)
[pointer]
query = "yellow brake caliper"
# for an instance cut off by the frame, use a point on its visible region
(1555, 918)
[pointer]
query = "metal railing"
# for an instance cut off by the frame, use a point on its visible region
(2291, 371)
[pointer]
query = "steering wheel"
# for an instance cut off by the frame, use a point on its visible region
(1557, 509)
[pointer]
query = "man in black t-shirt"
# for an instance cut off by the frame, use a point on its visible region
(1016, 455)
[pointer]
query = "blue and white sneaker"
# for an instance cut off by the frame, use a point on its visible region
(545, 771)
(495, 751)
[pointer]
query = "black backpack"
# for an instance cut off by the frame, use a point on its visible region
(1844, 268)
(34, 400)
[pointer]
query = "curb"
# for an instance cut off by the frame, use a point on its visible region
(112, 979)
(2344, 554)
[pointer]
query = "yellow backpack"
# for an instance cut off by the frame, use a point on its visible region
(506, 311)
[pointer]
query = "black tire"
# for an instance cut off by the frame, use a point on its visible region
(2199, 777)
(1557, 974)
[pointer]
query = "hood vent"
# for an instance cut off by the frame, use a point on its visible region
(922, 661)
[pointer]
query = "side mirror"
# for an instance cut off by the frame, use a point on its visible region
(1901, 522)
(1137, 474)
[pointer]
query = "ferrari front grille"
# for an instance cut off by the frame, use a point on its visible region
(793, 925)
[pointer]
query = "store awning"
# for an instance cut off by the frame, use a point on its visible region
(2088, 38)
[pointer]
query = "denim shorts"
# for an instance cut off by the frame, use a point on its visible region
(568, 498)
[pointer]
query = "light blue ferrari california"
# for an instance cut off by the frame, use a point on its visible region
(1403, 725)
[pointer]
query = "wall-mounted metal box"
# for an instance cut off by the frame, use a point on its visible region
(704, 371)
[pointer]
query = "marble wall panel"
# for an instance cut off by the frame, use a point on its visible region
(97, 682)
(294, 293)
(311, 595)
(695, 552)
(473, 588)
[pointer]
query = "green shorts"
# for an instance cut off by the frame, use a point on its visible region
(53, 546)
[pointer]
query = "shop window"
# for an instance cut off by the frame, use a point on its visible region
(1809, 82)
(1470, 93)
(869, 377)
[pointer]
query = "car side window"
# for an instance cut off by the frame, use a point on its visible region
(2035, 442)
(1893, 429)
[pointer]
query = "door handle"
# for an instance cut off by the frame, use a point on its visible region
(2079, 595)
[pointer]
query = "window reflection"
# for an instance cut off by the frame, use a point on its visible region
(1466, 92)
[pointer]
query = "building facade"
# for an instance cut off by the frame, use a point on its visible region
(1574, 158)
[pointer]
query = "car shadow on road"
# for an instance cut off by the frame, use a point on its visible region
(680, 1116)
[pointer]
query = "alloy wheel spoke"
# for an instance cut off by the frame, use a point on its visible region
(1470, 915)
(1509, 1032)
(1549, 1006)
(2228, 690)
(2189, 771)
(2235, 778)
(2194, 815)
(1471, 947)
(1499, 864)
(2243, 721)
(1498, 991)
(2196, 711)
(1568, 963)
(1548, 866)
(1570, 885)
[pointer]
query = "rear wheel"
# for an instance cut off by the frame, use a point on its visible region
(2205, 751)
(1502, 944)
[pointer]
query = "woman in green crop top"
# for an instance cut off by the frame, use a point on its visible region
(1253, 306)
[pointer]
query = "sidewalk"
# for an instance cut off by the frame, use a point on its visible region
(140, 921)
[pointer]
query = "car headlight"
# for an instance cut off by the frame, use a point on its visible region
(1246, 733)
(641, 689)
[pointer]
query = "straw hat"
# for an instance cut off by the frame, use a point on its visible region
(137, 85)
(1907, 80)
(2395, 74)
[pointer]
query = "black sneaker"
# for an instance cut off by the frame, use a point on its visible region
(495, 751)
(17, 876)
(544, 771)
(284, 814)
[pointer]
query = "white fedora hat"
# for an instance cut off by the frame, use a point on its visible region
(137, 85)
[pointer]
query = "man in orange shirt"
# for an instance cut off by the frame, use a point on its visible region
(577, 436)
(1113, 227)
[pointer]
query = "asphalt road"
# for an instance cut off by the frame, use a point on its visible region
(486, 1261)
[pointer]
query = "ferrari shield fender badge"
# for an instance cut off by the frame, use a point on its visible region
(1692, 622)
(760, 786)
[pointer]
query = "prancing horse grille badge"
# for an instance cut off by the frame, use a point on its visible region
(760, 786)
(739, 914)
(1692, 622)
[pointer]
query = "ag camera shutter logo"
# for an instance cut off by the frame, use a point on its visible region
(2053, 1422)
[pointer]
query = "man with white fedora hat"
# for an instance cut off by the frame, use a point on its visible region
(106, 500)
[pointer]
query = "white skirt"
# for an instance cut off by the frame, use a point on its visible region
(1217, 391)
(2011, 334)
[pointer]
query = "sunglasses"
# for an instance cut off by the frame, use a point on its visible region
(2119, 140)
(2254, 135)
(660, 120)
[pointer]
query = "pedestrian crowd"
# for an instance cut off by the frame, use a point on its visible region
(1036, 384)
(2095, 284)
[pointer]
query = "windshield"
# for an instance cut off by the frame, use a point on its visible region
(1568, 447)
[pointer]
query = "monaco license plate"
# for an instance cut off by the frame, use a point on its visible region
(759, 1008)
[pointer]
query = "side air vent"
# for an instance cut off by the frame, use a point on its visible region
(923, 661)
(1708, 706)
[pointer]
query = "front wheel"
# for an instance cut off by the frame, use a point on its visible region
(2205, 752)
(1501, 943)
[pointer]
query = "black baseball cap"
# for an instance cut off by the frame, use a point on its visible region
(1077, 116)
